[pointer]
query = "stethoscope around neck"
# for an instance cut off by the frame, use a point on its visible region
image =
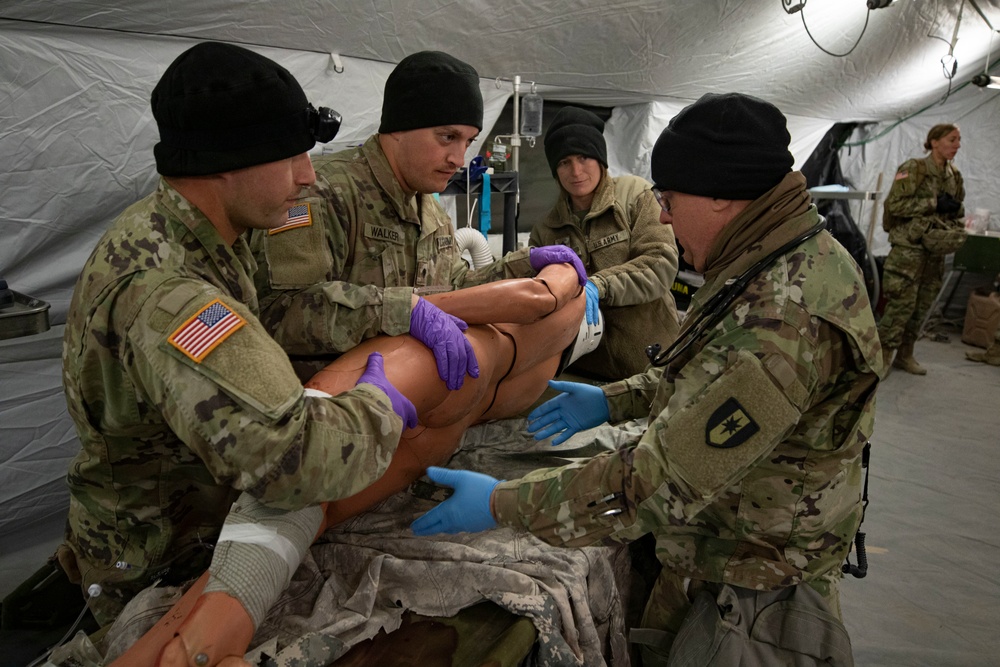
(718, 304)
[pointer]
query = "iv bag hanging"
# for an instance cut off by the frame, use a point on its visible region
(531, 115)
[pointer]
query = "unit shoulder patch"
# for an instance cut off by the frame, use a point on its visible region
(730, 425)
(739, 418)
(206, 330)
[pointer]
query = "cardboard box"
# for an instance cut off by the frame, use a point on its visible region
(982, 317)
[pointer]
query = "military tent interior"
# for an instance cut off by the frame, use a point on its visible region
(77, 135)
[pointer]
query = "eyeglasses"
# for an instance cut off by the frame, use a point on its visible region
(661, 200)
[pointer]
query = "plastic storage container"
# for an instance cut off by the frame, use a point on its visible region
(25, 317)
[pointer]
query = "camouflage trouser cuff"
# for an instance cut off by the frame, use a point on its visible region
(258, 551)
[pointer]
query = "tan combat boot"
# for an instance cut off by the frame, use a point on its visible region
(887, 354)
(991, 356)
(905, 361)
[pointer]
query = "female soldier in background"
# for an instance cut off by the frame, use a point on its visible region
(924, 217)
(613, 224)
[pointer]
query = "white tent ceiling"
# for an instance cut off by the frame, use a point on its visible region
(611, 52)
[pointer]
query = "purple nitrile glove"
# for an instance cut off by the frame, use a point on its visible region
(465, 511)
(557, 254)
(401, 405)
(442, 333)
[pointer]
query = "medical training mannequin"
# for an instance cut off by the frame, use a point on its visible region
(516, 359)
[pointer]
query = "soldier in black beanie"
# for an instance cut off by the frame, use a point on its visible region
(220, 107)
(431, 88)
(728, 148)
(377, 237)
(613, 224)
(749, 474)
(177, 391)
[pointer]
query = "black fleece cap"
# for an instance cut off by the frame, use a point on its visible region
(221, 107)
(575, 131)
(428, 89)
(729, 146)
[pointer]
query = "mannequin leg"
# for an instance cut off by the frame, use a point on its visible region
(515, 360)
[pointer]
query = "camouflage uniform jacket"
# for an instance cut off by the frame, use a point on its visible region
(912, 200)
(348, 270)
(632, 259)
(170, 432)
(750, 470)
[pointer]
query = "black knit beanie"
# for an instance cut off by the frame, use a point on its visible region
(728, 146)
(428, 89)
(575, 131)
(221, 107)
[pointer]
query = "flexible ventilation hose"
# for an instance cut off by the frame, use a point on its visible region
(469, 239)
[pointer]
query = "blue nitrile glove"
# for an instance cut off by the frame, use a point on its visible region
(593, 315)
(466, 511)
(541, 257)
(442, 333)
(401, 405)
(582, 406)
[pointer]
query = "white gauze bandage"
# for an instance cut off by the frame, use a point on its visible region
(258, 550)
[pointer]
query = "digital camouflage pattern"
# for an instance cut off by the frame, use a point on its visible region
(632, 259)
(362, 578)
(350, 274)
(750, 471)
(168, 442)
(912, 275)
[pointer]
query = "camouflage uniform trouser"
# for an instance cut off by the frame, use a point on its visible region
(911, 281)
(673, 599)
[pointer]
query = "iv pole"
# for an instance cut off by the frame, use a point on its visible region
(515, 137)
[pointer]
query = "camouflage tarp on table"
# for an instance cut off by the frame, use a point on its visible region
(361, 577)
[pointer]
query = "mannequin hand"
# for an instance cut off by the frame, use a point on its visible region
(593, 315)
(442, 333)
(557, 254)
(582, 406)
(466, 511)
(947, 205)
(401, 405)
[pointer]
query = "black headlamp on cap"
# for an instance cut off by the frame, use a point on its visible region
(320, 124)
(324, 123)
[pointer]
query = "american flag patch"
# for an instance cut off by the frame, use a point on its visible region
(202, 333)
(299, 215)
(900, 175)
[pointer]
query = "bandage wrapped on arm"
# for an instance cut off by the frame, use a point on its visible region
(258, 550)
